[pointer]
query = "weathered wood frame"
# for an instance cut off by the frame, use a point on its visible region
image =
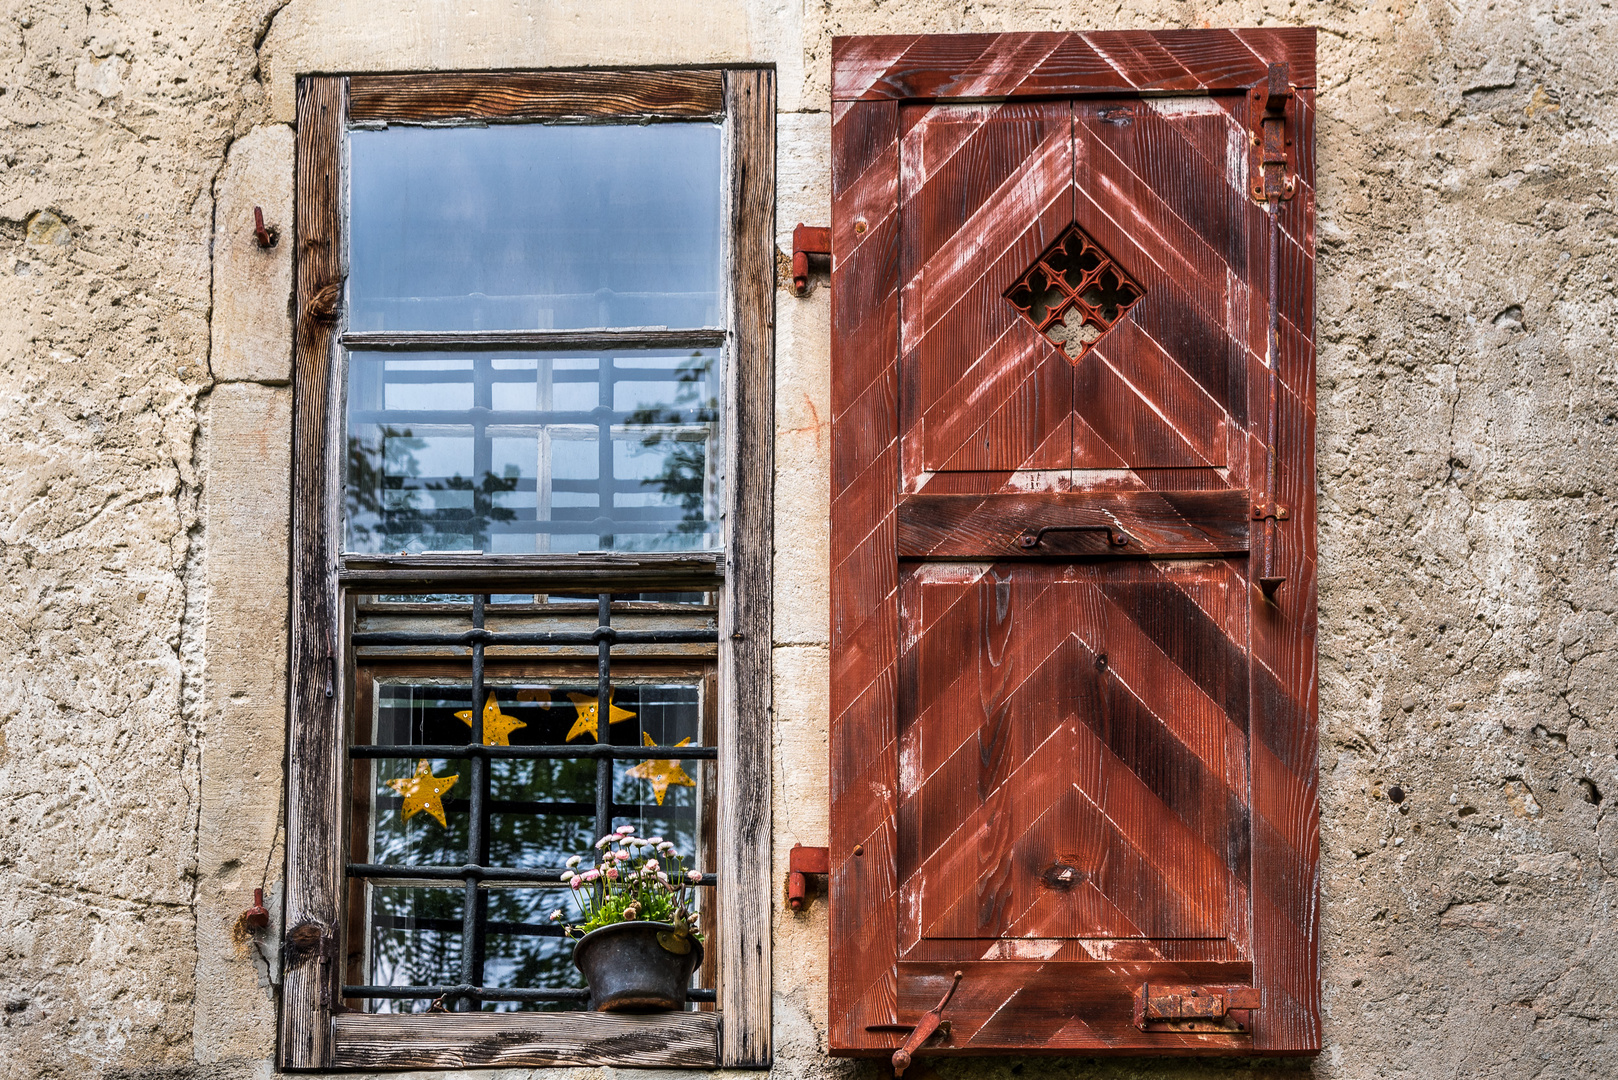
(314, 1034)
(873, 525)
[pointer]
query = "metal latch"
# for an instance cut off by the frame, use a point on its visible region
(929, 1025)
(807, 240)
(1277, 176)
(1167, 1007)
(802, 861)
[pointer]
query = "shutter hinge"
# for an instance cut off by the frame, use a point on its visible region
(1277, 170)
(807, 240)
(801, 862)
(1165, 1007)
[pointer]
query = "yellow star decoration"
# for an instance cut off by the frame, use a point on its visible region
(424, 791)
(662, 774)
(588, 722)
(497, 726)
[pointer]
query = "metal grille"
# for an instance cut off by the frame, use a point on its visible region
(469, 991)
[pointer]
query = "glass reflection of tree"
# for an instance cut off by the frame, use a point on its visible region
(382, 465)
(681, 479)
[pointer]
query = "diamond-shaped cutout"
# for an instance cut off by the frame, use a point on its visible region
(1074, 294)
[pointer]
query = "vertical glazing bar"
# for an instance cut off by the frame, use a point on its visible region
(604, 715)
(477, 833)
(482, 452)
(606, 484)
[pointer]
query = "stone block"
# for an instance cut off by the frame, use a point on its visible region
(247, 518)
(252, 286)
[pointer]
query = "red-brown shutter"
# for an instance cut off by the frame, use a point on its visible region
(1073, 709)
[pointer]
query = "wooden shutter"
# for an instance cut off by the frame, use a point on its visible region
(1073, 707)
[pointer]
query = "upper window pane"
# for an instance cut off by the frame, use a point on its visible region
(517, 452)
(535, 227)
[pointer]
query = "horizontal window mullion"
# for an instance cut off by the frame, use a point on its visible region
(449, 751)
(491, 993)
(623, 421)
(539, 876)
(543, 637)
(580, 340)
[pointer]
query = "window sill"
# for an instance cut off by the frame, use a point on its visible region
(536, 1040)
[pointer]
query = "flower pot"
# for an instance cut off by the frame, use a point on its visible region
(628, 971)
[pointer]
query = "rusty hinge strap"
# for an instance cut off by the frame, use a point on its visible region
(925, 1027)
(1277, 179)
(807, 240)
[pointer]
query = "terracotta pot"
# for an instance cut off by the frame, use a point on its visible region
(628, 971)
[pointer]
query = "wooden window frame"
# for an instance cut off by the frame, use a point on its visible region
(872, 77)
(315, 1033)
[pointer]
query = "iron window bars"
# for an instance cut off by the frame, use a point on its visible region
(470, 990)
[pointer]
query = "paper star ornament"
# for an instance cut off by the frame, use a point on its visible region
(497, 726)
(424, 791)
(662, 775)
(587, 722)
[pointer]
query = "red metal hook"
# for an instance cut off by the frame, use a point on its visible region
(265, 234)
(257, 916)
(925, 1027)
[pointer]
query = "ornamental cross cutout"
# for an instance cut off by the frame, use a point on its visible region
(1074, 293)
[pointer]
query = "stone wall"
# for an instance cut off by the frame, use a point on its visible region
(1468, 420)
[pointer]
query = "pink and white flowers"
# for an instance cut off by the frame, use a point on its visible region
(633, 878)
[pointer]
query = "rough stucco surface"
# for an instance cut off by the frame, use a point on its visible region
(1468, 420)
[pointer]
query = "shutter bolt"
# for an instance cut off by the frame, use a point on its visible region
(859, 849)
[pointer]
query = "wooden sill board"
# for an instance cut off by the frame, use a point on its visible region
(536, 1040)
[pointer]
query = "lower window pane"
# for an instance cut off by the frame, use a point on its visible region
(540, 812)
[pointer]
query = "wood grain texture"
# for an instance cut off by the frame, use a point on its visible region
(512, 1040)
(1143, 718)
(1156, 523)
(594, 94)
(608, 571)
(314, 855)
(862, 902)
(1285, 722)
(745, 881)
(958, 66)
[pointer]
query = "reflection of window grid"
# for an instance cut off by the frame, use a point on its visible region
(605, 504)
(476, 875)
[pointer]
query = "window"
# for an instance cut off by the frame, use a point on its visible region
(531, 510)
(1073, 549)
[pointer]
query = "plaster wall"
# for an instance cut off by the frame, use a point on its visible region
(1468, 427)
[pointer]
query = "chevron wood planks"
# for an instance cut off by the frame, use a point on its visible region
(1073, 732)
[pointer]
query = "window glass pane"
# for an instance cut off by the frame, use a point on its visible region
(541, 812)
(532, 227)
(522, 452)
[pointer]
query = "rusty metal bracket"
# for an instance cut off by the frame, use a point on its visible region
(1196, 1008)
(925, 1028)
(1270, 509)
(1031, 539)
(807, 240)
(1271, 99)
(801, 862)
